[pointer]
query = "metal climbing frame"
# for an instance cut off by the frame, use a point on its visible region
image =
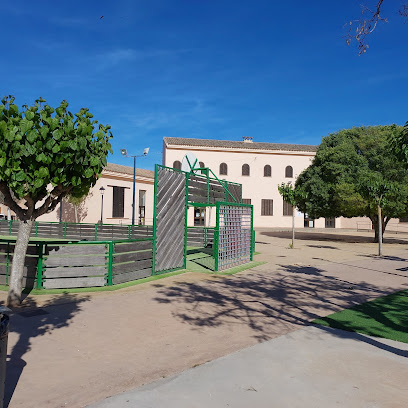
(233, 235)
(174, 192)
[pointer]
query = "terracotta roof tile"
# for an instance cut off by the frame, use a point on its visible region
(181, 141)
(118, 168)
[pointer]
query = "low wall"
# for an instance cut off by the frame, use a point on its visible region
(200, 236)
(56, 265)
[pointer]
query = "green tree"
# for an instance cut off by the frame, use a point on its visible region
(353, 171)
(287, 191)
(45, 155)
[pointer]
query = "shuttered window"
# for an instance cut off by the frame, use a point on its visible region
(287, 208)
(177, 165)
(246, 201)
(289, 171)
(118, 208)
(223, 169)
(202, 165)
(267, 207)
(267, 171)
(245, 169)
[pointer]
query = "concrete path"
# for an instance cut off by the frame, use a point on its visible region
(72, 350)
(310, 368)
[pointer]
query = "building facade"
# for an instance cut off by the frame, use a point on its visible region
(260, 168)
(111, 199)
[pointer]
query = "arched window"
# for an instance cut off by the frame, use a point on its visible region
(223, 169)
(245, 169)
(289, 171)
(177, 165)
(267, 171)
(202, 165)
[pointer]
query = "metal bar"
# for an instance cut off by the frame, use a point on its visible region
(216, 237)
(36, 228)
(252, 234)
(156, 167)
(40, 265)
(185, 223)
(96, 232)
(110, 263)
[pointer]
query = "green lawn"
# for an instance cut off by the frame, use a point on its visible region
(385, 317)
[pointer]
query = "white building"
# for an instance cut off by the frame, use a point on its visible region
(260, 168)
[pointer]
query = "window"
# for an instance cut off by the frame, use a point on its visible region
(245, 169)
(118, 208)
(246, 201)
(308, 222)
(287, 208)
(202, 165)
(267, 171)
(142, 207)
(267, 207)
(177, 165)
(289, 171)
(199, 216)
(223, 169)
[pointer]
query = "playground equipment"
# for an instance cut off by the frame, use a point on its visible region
(64, 255)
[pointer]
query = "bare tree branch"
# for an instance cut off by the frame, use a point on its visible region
(367, 24)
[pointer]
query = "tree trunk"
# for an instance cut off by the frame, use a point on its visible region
(17, 270)
(293, 226)
(374, 220)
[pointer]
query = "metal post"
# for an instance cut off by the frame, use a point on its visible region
(110, 264)
(134, 190)
(4, 329)
(102, 210)
(40, 266)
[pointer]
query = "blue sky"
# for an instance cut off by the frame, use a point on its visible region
(278, 71)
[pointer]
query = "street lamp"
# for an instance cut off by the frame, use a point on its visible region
(102, 190)
(124, 153)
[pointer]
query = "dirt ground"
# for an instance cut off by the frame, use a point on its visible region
(74, 349)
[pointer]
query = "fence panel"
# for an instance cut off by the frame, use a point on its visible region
(74, 266)
(132, 261)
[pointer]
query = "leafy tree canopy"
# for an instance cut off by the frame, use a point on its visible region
(46, 154)
(353, 172)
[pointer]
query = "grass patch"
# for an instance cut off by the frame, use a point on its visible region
(385, 317)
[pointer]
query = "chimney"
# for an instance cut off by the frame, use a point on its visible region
(247, 139)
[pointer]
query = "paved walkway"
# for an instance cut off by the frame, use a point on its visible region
(312, 367)
(81, 348)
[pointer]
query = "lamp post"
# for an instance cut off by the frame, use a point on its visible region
(102, 190)
(124, 153)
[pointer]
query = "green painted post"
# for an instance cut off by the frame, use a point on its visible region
(96, 232)
(185, 222)
(65, 229)
(40, 265)
(216, 236)
(36, 228)
(154, 220)
(110, 263)
(7, 262)
(252, 234)
(10, 225)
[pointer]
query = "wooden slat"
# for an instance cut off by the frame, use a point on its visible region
(132, 256)
(128, 277)
(133, 246)
(85, 249)
(132, 266)
(74, 261)
(65, 283)
(60, 272)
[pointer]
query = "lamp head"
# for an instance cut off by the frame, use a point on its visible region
(123, 152)
(146, 151)
(102, 190)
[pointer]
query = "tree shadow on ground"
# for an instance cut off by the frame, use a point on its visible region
(268, 303)
(30, 321)
(325, 236)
